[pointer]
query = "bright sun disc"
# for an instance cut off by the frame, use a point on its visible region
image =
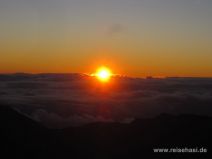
(103, 74)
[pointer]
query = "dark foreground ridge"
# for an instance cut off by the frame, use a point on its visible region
(22, 137)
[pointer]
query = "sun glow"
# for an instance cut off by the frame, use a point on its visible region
(103, 74)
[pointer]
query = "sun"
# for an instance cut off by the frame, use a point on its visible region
(103, 74)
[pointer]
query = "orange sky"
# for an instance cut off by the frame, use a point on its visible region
(147, 38)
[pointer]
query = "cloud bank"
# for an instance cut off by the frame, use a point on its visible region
(62, 100)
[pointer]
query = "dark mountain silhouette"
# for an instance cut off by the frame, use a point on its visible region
(22, 137)
(43, 76)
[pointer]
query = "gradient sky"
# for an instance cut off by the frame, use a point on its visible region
(133, 37)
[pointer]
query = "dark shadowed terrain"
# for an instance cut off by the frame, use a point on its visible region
(74, 116)
(21, 137)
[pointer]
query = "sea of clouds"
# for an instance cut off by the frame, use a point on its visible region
(62, 100)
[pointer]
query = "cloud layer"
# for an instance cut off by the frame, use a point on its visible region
(70, 100)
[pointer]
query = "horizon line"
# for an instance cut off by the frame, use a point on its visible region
(65, 73)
